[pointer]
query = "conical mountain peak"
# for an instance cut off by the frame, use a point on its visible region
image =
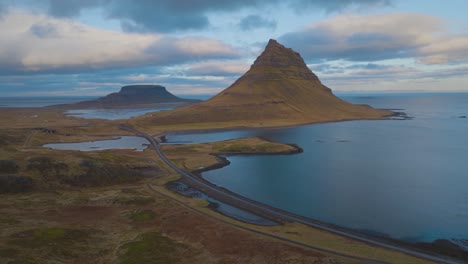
(278, 89)
(272, 43)
(277, 61)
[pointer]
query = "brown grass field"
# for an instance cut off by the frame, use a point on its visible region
(96, 207)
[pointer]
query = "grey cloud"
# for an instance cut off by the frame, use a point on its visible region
(337, 5)
(44, 30)
(316, 45)
(72, 8)
(98, 83)
(179, 50)
(173, 15)
(2, 9)
(364, 38)
(223, 68)
(210, 72)
(159, 16)
(375, 73)
(379, 37)
(61, 47)
(369, 66)
(327, 68)
(255, 21)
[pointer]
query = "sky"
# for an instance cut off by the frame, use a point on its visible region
(94, 47)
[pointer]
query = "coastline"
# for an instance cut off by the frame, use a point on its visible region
(283, 217)
(275, 127)
(278, 126)
(431, 248)
(223, 161)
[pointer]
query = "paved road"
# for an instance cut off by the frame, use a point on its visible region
(250, 205)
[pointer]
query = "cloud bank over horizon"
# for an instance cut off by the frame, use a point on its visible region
(67, 47)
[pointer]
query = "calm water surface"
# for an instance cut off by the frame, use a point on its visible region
(407, 179)
(123, 142)
(40, 101)
(114, 114)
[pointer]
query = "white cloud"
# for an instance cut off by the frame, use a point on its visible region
(31, 42)
(379, 37)
(445, 49)
(218, 68)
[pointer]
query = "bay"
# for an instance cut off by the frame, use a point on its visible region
(406, 179)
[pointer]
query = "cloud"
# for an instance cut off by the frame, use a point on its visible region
(376, 76)
(38, 43)
(217, 68)
(364, 38)
(337, 5)
(445, 49)
(365, 71)
(176, 15)
(379, 37)
(71, 8)
(2, 9)
(255, 21)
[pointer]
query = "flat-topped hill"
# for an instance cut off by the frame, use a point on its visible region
(132, 96)
(278, 89)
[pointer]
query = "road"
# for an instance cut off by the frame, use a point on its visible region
(275, 213)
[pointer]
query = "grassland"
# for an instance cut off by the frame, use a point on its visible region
(97, 207)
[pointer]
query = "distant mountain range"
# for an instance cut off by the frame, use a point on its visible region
(132, 96)
(279, 89)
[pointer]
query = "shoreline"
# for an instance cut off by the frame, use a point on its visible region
(419, 246)
(285, 126)
(281, 216)
(223, 160)
(161, 135)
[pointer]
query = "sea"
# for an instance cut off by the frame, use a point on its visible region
(109, 114)
(41, 101)
(405, 178)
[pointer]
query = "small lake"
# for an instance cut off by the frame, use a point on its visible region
(407, 179)
(124, 142)
(114, 114)
(219, 206)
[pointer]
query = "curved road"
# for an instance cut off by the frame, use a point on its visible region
(250, 205)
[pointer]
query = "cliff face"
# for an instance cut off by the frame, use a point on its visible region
(278, 88)
(133, 96)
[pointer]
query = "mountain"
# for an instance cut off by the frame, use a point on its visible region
(278, 89)
(132, 96)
